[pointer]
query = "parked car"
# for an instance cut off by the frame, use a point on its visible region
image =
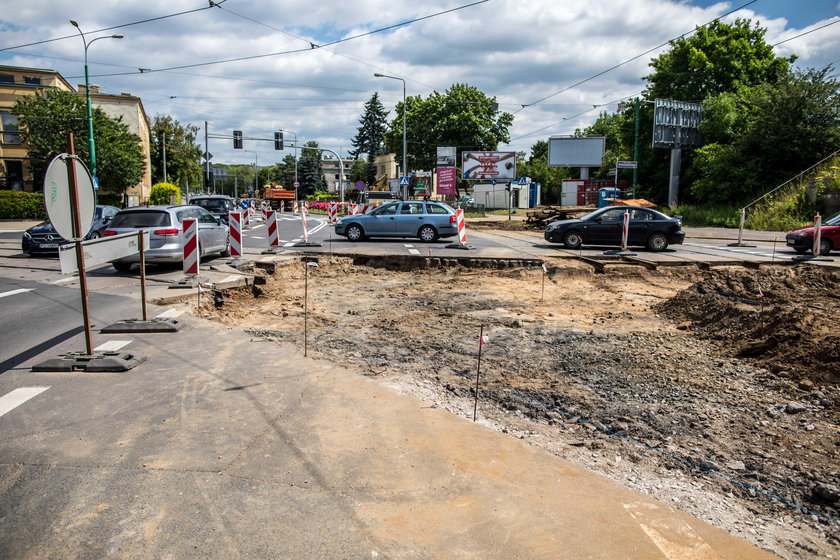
(217, 204)
(426, 220)
(465, 202)
(604, 226)
(43, 239)
(166, 238)
(801, 239)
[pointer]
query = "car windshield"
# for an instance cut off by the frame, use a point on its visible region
(833, 220)
(212, 204)
(140, 219)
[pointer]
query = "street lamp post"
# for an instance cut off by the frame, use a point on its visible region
(91, 141)
(405, 149)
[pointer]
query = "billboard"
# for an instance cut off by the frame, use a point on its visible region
(446, 157)
(447, 178)
(676, 124)
(489, 165)
(570, 151)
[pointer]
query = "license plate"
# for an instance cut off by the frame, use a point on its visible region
(48, 246)
(790, 241)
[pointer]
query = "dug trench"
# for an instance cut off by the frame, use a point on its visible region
(712, 390)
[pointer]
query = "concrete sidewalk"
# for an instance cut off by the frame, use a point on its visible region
(221, 445)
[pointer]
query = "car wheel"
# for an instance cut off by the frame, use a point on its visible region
(657, 242)
(122, 266)
(95, 235)
(226, 251)
(572, 239)
(355, 233)
(825, 246)
(427, 234)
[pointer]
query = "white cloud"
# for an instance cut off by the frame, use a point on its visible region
(518, 51)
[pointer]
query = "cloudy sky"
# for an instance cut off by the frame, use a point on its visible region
(308, 66)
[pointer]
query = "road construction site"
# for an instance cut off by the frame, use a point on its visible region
(713, 389)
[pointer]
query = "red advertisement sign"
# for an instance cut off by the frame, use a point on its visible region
(446, 179)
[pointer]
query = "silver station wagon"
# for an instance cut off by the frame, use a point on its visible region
(425, 220)
(166, 238)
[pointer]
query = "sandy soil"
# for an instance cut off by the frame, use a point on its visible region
(714, 391)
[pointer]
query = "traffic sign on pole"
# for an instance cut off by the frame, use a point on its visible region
(403, 181)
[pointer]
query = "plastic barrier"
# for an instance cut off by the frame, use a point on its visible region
(296, 207)
(625, 231)
(235, 232)
(191, 259)
(817, 235)
(273, 238)
(333, 213)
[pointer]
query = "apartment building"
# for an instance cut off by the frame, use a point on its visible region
(15, 82)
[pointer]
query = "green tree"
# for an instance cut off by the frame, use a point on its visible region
(462, 116)
(761, 136)
(283, 172)
(46, 118)
(183, 155)
(310, 177)
(370, 136)
(717, 58)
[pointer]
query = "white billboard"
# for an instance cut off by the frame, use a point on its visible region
(570, 151)
(489, 165)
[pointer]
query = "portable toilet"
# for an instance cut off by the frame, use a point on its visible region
(606, 195)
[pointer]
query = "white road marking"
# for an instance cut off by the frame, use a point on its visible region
(291, 243)
(16, 292)
(256, 237)
(171, 314)
(65, 280)
(407, 245)
(258, 226)
(18, 397)
(112, 346)
(414, 251)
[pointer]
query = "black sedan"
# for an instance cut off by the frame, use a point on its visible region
(604, 226)
(43, 239)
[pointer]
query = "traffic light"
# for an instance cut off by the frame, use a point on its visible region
(237, 139)
(278, 140)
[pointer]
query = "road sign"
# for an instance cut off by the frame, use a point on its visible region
(403, 181)
(207, 156)
(360, 185)
(297, 184)
(57, 197)
(492, 181)
(626, 164)
(100, 251)
(522, 181)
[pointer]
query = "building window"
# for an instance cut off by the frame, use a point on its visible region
(9, 128)
(32, 80)
(14, 176)
(6, 79)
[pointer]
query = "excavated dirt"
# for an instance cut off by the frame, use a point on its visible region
(714, 390)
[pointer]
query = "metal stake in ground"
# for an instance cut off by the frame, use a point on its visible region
(306, 304)
(740, 242)
(482, 340)
(542, 293)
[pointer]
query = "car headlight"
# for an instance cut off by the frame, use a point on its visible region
(27, 235)
(552, 227)
(803, 233)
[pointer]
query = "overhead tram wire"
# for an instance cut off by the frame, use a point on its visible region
(312, 46)
(630, 59)
(806, 32)
(307, 41)
(211, 5)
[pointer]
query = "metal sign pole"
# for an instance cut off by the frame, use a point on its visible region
(142, 246)
(80, 255)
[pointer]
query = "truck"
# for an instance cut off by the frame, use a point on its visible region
(276, 194)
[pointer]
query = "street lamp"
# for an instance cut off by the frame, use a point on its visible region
(91, 142)
(405, 149)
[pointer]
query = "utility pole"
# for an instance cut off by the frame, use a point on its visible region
(635, 149)
(164, 158)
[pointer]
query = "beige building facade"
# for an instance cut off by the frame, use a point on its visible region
(15, 82)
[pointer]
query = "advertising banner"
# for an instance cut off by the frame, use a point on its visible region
(489, 165)
(446, 157)
(446, 180)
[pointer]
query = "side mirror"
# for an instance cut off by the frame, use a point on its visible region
(106, 219)
(597, 220)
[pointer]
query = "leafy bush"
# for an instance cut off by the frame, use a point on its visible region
(161, 193)
(15, 205)
(111, 199)
(707, 216)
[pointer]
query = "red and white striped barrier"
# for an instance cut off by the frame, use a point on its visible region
(246, 218)
(333, 213)
(190, 228)
(625, 232)
(273, 238)
(282, 206)
(817, 235)
(303, 221)
(354, 209)
(264, 208)
(235, 232)
(296, 207)
(462, 228)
